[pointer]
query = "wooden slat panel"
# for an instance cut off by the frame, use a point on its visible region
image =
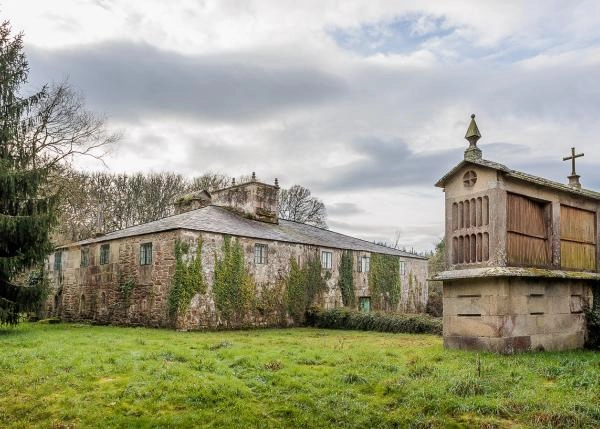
(526, 216)
(577, 256)
(523, 250)
(577, 225)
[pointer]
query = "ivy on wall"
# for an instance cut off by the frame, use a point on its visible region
(188, 279)
(384, 281)
(302, 287)
(346, 279)
(233, 287)
(592, 316)
(126, 287)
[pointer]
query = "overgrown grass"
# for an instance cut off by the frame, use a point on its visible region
(79, 376)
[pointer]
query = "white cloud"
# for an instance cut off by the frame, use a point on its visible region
(264, 86)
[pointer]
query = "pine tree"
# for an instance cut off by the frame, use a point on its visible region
(27, 204)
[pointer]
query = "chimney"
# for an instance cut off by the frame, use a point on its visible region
(193, 201)
(253, 199)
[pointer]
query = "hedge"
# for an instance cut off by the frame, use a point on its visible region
(345, 318)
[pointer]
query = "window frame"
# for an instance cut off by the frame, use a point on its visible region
(261, 253)
(361, 304)
(327, 263)
(365, 264)
(58, 260)
(84, 257)
(104, 254)
(402, 268)
(145, 256)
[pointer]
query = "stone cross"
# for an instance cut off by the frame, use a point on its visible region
(572, 158)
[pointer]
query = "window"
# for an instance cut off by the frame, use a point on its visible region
(326, 260)
(85, 257)
(57, 261)
(146, 254)
(104, 251)
(364, 263)
(260, 253)
(469, 179)
(402, 268)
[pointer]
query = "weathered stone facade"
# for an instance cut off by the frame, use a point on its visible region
(523, 257)
(121, 290)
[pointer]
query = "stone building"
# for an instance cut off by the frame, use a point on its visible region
(126, 276)
(522, 256)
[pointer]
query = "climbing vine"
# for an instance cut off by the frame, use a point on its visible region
(187, 280)
(593, 321)
(346, 279)
(126, 287)
(384, 281)
(233, 287)
(302, 287)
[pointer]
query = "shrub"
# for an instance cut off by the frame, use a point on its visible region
(435, 305)
(344, 318)
(592, 316)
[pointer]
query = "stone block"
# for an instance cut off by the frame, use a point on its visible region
(465, 342)
(577, 288)
(576, 303)
(559, 288)
(537, 304)
(557, 342)
(463, 305)
(564, 323)
(456, 289)
(559, 304)
(497, 305)
(519, 304)
(470, 326)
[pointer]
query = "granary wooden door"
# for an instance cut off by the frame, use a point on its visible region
(577, 239)
(527, 241)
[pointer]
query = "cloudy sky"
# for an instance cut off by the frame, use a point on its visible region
(364, 102)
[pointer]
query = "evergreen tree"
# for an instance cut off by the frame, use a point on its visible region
(27, 204)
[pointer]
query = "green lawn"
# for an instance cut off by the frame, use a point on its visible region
(67, 375)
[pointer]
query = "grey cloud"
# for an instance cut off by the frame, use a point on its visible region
(343, 209)
(389, 163)
(136, 80)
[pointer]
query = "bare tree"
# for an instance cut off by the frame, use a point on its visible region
(210, 181)
(62, 129)
(297, 204)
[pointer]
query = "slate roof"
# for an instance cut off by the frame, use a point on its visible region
(518, 175)
(219, 220)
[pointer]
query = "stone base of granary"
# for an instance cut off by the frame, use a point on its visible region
(512, 314)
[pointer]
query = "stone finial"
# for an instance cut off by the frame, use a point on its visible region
(276, 183)
(253, 176)
(472, 136)
(574, 177)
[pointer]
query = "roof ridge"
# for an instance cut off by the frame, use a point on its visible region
(356, 238)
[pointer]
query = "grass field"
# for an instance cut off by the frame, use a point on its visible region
(66, 375)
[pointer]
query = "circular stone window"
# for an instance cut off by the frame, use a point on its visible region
(469, 179)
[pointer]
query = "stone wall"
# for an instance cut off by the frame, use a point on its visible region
(254, 200)
(124, 292)
(515, 314)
